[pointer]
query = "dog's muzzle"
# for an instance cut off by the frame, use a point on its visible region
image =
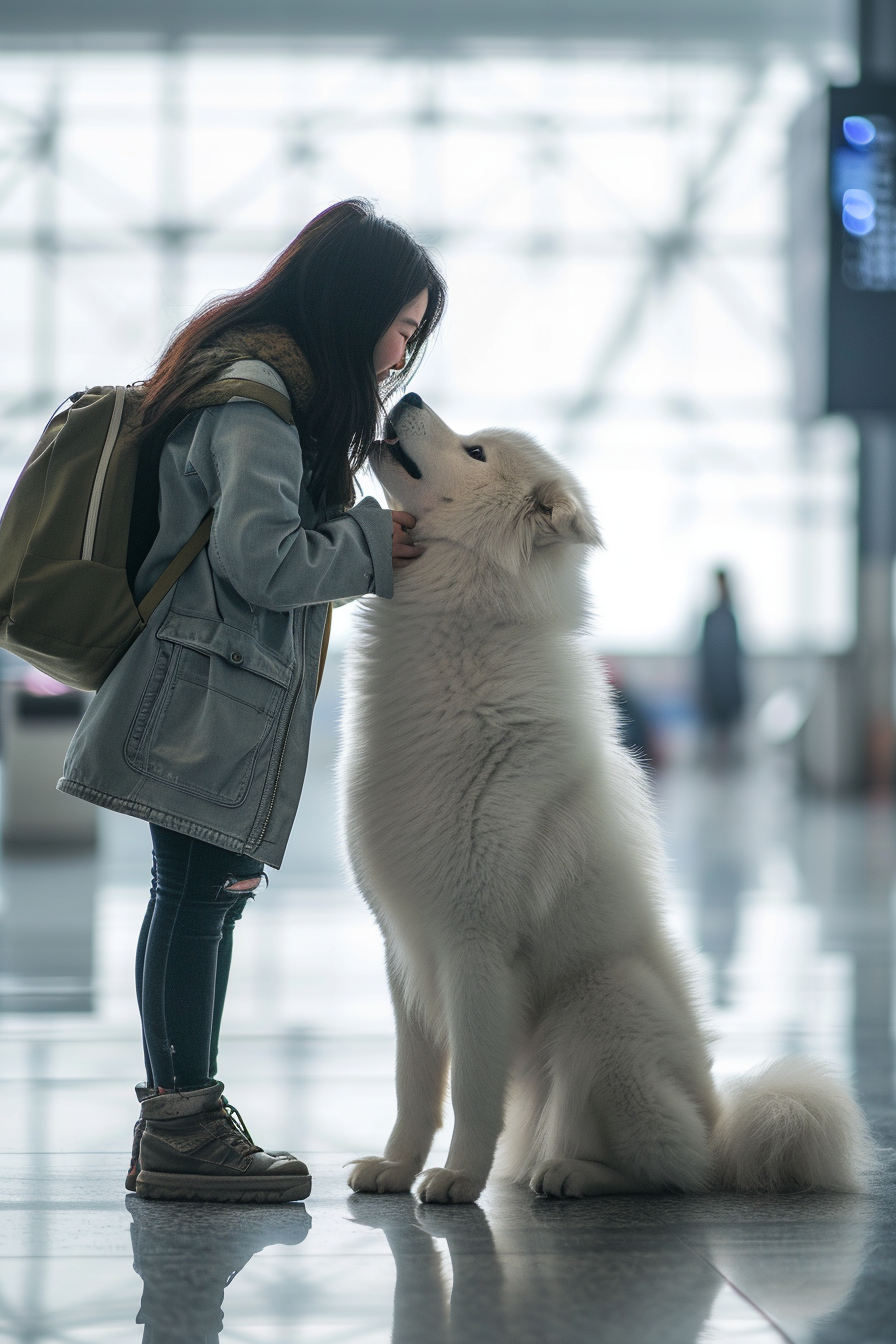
(404, 461)
(392, 443)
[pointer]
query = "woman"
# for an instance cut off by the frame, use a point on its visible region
(202, 728)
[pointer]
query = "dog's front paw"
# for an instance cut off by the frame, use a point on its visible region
(441, 1186)
(564, 1179)
(377, 1176)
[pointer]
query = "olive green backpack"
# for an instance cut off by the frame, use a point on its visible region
(66, 605)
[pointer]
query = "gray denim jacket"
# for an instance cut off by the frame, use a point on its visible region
(203, 726)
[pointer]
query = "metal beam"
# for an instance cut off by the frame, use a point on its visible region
(665, 253)
(43, 23)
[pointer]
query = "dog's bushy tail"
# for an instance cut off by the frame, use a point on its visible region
(791, 1125)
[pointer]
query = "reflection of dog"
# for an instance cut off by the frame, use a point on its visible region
(505, 843)
(508, 1283)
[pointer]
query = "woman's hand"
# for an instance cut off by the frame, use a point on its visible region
(403, 549)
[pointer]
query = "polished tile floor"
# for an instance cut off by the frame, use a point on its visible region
(788, 906)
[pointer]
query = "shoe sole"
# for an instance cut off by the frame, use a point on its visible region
(223, 1189)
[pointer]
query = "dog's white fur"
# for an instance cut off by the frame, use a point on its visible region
(506, 844)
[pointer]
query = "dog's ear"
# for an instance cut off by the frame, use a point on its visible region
(553, 514)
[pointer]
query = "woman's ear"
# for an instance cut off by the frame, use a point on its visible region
(553, 514)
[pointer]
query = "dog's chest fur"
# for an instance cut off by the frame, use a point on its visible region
(466, 744)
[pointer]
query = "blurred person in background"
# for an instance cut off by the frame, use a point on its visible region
(721, 682)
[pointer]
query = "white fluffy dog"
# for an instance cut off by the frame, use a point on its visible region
(506, 845)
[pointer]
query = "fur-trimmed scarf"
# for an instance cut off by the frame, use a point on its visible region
(271, 344)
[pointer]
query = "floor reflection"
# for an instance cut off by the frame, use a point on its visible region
(723, 873)
(787, 906)
(188, 1254)
(800, 1261)
(533, 1277)
(535, 1269)
(848, 853)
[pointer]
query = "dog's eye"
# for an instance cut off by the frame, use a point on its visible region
(477, 452)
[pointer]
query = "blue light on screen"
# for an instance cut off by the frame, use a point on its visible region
(860, 204)
(858, 211)
(859, 131)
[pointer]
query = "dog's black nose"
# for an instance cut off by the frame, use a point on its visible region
(411, 399)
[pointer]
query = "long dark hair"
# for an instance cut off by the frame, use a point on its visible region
(336, 289)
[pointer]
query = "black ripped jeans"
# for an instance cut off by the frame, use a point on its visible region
(183, 955)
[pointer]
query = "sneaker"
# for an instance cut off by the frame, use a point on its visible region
(193, 1148)
(130, 1180)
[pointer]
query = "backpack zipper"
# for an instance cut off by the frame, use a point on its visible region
(96, 494)
(292, 710)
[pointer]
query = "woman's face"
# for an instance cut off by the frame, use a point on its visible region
(389, 351)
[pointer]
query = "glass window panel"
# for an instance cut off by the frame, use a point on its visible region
(613, 230)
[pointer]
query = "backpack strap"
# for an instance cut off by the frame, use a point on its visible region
(225, 389)
(179, 565)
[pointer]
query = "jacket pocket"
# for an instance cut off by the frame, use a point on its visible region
(208, 708)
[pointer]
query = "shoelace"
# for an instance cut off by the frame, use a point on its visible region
(238, 1123)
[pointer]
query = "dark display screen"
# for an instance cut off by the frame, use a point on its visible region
(862, 253)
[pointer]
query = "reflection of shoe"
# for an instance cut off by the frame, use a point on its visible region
(193, 1148)
(186, 1256)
